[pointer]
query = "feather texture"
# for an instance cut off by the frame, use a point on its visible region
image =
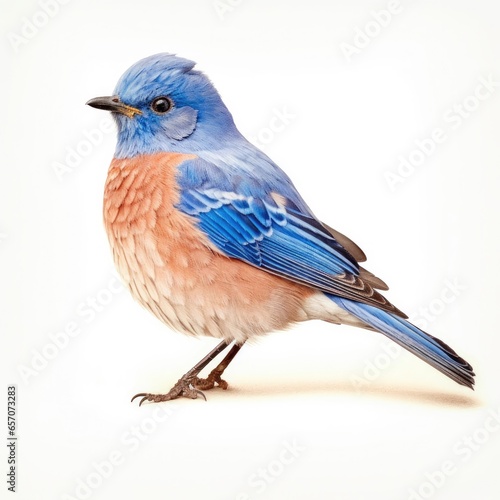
(212, 236)
(248, 223)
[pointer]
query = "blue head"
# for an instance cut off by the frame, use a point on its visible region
(162, 104)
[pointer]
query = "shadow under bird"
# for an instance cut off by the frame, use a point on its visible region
(213, 238)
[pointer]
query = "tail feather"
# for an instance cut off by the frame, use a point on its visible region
(425, 346)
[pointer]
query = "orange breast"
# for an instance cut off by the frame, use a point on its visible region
(173, 269)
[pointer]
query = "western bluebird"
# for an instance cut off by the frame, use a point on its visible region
(213, 238)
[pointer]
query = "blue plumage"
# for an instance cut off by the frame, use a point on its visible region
(247, 206)
(425, 346)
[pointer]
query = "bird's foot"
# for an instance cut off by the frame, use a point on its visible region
(208, 383)
(183, 388)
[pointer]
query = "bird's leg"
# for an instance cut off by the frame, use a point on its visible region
(215, 375)
(184, 386)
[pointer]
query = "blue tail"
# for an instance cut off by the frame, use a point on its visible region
(426, 347)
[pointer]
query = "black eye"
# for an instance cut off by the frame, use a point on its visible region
(161, 105)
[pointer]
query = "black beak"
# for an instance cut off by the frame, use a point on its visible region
(113, 104)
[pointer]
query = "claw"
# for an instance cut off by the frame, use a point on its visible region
(145, 397)
(182, 388)
(189, 385)
(138, 396)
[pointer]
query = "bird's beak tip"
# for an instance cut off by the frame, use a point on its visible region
(113, 104)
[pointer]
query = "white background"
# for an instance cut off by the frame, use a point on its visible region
(362, 425)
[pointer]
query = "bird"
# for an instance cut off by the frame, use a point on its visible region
(213, 238)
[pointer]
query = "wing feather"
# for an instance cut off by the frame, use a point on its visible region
(270, 231)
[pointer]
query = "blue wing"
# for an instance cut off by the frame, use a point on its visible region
(265, 223)
(270, 227)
